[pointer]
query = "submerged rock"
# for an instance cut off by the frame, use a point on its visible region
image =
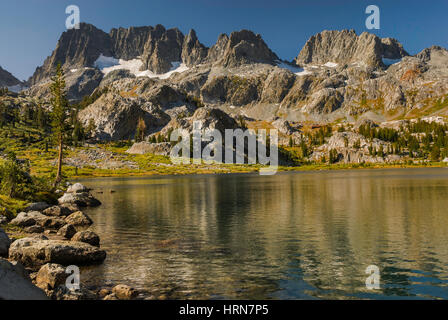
(124, 292)
(111, 296)
(35, 252)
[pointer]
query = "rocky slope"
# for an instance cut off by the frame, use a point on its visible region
(7, 79)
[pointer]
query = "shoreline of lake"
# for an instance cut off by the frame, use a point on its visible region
(252, 170)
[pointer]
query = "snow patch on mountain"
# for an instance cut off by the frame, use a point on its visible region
(109, 64)
(331, 65)
(104, 62)
(296, 70)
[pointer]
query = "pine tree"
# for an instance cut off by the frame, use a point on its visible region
(2, 114)
(78, 133)
(435, 153)
(42, 119)
(141, 128)
(60, 107)
(91, 127)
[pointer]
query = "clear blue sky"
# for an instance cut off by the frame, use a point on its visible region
(29, 29)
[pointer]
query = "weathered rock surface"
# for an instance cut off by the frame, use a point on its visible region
(57, 211)
(77, 188)
(87, 236)
(69, 207)
(79, 199)
(162, 48)
(15, 285)
(124, 292)
(80, 82)
(209, 118)
(193, 52)
(77, 48)
(283, 126)
(50, 276)
(26, 219)
(111, 297)
(34, 229)
(241, 47)
(63, 293)
(5, 242)
(345, 47)
(38, 206)
(162, 148)
(352, 147)
(67, 231)
(36, 252)
(116, 117)
(78, 218)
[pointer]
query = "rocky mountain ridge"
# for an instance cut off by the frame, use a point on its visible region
(345, 47)
(156, 47)
(337, 76)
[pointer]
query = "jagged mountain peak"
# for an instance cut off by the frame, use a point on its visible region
(433, 53)
(76, 48)
(193, 51)
(7, 79)
(157, 47)
(241, 47)
(345, 47)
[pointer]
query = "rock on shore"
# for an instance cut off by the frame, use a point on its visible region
(79, 219)
(87, 236)
(26, 219)
(14, 285)
(34, 252)
(5, 242)
(81, 199)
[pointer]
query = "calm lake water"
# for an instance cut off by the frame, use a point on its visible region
(289, 236)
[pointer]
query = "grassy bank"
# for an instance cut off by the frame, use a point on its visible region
(42, 163)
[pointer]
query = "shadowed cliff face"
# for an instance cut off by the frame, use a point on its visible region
(75, 49)
(7, 79)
